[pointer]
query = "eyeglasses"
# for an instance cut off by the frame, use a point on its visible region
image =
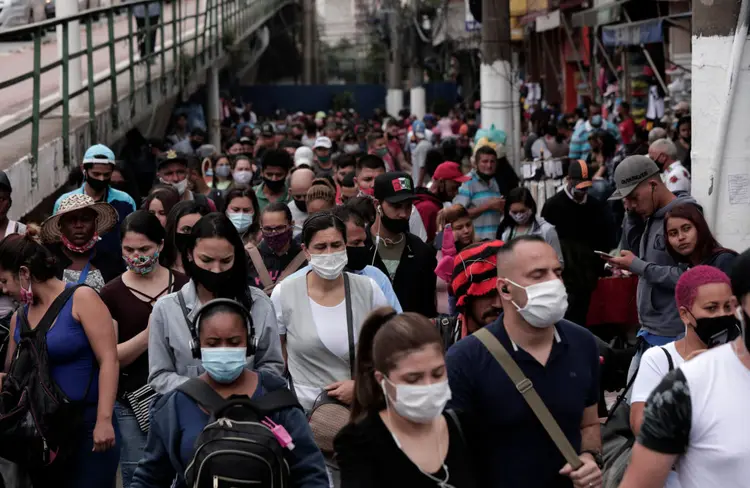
(274, 230)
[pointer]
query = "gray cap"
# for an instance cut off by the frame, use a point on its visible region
(631, 172)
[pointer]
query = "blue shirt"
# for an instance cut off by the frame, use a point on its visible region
(515, 451)
(377, 276)
(474, 193)
(123, 204)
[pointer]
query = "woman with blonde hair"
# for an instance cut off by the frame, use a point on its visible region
(399, 433)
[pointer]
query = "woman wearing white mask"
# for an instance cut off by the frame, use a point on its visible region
(399, 434)
(521, 219)
(242, 172)
(242, 205)
(312, 312)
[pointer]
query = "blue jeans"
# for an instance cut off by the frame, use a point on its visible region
(133, 442)
(86, 468)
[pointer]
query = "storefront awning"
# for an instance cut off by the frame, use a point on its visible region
(641, 32)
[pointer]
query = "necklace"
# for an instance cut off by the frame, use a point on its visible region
(441, 483)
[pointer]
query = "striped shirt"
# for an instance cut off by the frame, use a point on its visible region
(475, 193)
(579, 143)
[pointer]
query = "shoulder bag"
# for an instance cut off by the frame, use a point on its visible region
(328, 415)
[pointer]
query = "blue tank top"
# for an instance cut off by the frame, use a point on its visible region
(71, 358)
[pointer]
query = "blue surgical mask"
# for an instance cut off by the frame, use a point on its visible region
(224, 364)
(241, 221)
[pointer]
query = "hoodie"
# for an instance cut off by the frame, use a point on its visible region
(657, 271)
(428, 205)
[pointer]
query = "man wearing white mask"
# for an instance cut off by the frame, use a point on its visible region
(560, 359)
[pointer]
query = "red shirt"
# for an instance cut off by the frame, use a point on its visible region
(627, 130)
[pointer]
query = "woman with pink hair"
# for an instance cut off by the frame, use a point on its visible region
(707, 308)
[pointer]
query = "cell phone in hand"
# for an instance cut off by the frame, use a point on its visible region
(605, 254)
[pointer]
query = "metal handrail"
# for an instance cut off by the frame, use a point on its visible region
(212, 22)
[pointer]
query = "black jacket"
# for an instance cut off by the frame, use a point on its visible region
(414, 283)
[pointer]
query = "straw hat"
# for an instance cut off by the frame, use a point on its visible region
(106, 216)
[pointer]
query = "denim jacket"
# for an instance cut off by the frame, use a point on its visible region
(162, 461)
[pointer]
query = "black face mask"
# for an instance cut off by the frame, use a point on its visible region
(358, 258)
(715, 331)
(485, 176)
(220, 284)
(301, 205)
(397, 226)
(274, 185)
(181, 242)
(97, 185)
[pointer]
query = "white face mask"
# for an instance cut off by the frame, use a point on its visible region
(242, 177)
(521, 217)
(180, 187)
(546, 303)
(419, 403)
(329, 266)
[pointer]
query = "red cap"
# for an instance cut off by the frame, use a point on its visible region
(450, 171)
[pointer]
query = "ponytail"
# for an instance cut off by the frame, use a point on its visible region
(384, 339)
(368, 396)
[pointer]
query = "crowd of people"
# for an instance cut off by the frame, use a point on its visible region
(332, 301)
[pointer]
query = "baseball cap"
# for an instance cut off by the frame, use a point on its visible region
(450, 171)
(245, 140)
(267, 129)
(172, 156)
(631, 172)
(5, 182)
(580, 174)
(394, 187)
(303, 155)
(99, 154)
(323, 142)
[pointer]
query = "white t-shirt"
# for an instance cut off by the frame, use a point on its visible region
(298, 216)
(653, 368)
(700, 413)
(330, 323)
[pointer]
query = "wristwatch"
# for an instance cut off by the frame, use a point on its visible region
(597, 455)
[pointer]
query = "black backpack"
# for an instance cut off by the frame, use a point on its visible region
(39, 425)
(235, 448)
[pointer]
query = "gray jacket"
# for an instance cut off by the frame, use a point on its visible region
(170, 361)
(543, 229)
(658, 272)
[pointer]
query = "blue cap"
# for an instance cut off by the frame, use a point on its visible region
(99, 154)
(418, 126)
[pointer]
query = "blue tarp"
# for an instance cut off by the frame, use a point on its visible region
(633, 34)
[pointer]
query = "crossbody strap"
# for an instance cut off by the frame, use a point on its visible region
(349, 321)
(669, 358)
(260, 267)
(292, 266)
(186, 314)
(524, 385)
(202, 394)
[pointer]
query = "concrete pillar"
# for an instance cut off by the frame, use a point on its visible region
(65, 8)
(417, 96)
(495, 71)
(308, 41)
(214, 106)
(395, 97)
(721, 88)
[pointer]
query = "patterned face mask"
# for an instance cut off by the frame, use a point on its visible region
(80, 249)
(141, 264)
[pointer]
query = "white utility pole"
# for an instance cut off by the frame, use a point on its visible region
(719, 149)
(66, 8)
(214, 106)
(417, 95)
(495, 73)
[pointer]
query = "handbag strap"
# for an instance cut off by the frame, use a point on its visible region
(186, 314)
(669, 359)
(349, 321)
(260, 267)
(524, 385)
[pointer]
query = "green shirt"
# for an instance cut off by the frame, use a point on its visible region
(263, 200)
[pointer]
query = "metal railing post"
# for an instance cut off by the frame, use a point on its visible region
(149, 55)
(162, 26)
(195, 36)
(35, 118)
(65, 98)
(91, 87)
(112, 70)
(131, 63)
